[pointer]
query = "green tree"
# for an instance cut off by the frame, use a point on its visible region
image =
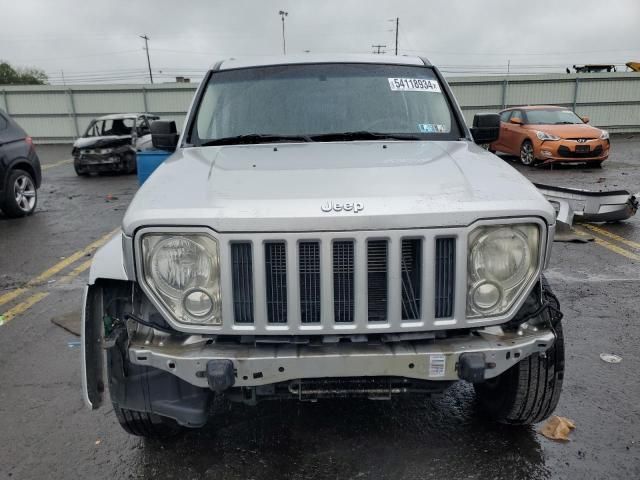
(21, 76)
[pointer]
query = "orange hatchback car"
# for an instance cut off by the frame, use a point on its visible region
(550, 134)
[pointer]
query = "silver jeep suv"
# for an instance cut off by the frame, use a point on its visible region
(327, 226)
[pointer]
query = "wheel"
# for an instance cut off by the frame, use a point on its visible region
(596, 164)
(529, 391)
(145, 424)
(526, 153)
(20, 196)
(80, 171)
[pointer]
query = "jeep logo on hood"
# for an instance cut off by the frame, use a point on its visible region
(331, 206)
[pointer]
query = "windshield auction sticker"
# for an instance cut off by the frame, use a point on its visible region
(414, 85)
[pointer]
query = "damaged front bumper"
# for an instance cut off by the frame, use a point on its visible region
(474, 357)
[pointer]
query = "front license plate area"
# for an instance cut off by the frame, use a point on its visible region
(582, 148)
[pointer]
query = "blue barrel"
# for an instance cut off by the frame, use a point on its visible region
(147, 161)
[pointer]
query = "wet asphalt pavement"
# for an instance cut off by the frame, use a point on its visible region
(46, 432)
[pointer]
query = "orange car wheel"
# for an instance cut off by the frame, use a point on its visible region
(527, 156)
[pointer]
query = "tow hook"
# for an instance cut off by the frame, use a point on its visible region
(471, 367)
(220, 375)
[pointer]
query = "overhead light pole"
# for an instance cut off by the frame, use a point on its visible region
(283, 14)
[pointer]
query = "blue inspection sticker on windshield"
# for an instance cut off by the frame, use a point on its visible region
(414, 85)
(431, 128)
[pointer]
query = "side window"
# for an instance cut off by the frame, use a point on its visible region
(504, 116)
(517, 114)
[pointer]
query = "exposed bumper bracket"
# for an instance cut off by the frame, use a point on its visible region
(210, 365)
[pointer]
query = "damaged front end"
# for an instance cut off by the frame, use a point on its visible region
(104, 154)
(149, 367)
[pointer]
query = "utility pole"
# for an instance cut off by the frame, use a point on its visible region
(146, 47)
(397, 25)
(379, 47)
(283, 14)
(397, 22)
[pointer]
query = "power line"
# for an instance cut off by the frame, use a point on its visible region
(146, 47)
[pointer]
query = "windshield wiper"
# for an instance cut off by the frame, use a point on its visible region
(362, 135)
(564, 123)
(255, 138)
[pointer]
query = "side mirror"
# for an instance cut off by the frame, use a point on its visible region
(516, 121)
(164, 135)
(486, 127)
(585, 119)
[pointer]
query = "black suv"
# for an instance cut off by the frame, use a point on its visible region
(20, 173)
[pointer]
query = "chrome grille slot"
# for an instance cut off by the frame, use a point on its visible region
(242, 278)
(445, 277)
(309, 270)
(343, 273)
(275, 260)
(377, 288)
(411, 271)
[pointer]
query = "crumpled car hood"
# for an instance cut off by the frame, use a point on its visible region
(283, 187)
(107, 141)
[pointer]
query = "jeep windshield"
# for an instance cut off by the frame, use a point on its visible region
(322, 103)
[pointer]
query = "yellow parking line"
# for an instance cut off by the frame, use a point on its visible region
(7, 297)
(610, 246)
(22, 307)
(75, 272)
(57, 164)
(72, 258)
(613, 236)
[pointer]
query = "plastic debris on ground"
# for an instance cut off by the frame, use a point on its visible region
(610, 358)
(557, 428)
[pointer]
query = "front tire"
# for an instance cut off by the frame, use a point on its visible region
(20, 195)
(529, 391)
(527, 155)
(145, 424)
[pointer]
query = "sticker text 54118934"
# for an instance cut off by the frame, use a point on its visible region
(414, 85)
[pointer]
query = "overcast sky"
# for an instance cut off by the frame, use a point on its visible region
(98, 40)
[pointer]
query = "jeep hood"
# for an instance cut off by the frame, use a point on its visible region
(282, 187)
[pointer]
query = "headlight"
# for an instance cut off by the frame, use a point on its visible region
(104, 151)
(501, 261)
(183, 271)
(546, 136)
(604, 135)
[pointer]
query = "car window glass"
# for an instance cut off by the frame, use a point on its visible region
(118, 126)
(504, 116)
(3, 123)
(552, 117)
(323, 99)
(516, 114)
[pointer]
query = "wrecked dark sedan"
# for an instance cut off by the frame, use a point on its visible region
(110, 143)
